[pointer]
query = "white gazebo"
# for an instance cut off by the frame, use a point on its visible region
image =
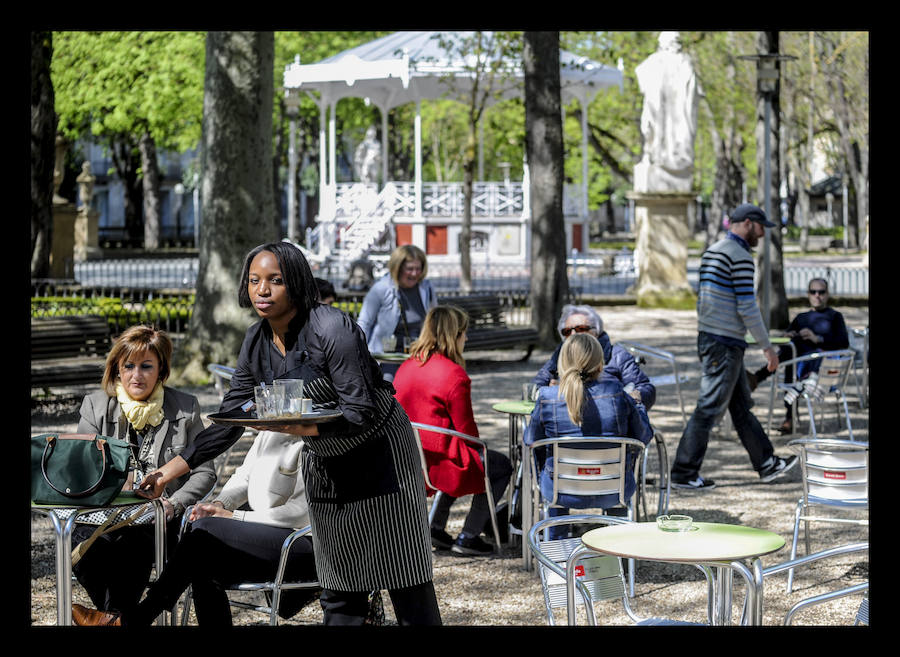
(407, 67)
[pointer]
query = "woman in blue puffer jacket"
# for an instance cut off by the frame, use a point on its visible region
(585, 403)
(619, 364)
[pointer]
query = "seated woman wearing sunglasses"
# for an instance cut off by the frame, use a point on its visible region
(619, 363)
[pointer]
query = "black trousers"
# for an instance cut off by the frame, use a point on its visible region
(218, 552)
(479, 517)
(413, 605)
(115, 569)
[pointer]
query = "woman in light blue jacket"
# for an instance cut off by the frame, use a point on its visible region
(397, 303)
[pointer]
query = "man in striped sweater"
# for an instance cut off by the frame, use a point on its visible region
(726, 311)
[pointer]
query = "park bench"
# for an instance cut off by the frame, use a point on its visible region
(68, 350)
(487, 327)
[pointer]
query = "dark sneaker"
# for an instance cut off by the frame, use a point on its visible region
(777, 468)
(697, 483)
(752, 380)
(471, 546)
(441, 539)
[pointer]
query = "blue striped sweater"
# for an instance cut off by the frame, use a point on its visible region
(726, 304)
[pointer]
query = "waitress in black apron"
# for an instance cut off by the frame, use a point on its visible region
(362, 473)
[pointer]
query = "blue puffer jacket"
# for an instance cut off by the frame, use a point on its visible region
(618, 364)
(608, 411)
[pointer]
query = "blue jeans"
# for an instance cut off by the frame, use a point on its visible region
(723, 386)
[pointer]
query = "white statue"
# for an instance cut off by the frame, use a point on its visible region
(85, 182)
(668, 120)
(367, 159)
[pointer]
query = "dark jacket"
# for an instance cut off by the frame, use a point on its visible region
(618, 364)
(321, 344)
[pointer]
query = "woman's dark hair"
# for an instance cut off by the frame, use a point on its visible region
(298, 277)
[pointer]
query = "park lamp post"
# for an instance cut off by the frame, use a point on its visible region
(768, 73)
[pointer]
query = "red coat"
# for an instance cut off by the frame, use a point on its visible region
(439, 392)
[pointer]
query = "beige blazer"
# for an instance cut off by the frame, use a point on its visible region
(181, 423)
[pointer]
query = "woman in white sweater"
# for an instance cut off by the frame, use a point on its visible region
(236, 538)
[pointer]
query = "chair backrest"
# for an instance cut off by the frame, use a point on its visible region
(222, 376)
(475, 442)
(588, 471)
(834, 370)
(833, 470)
(597, 577)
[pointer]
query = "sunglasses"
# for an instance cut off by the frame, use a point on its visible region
(582, 328)
(818, 292)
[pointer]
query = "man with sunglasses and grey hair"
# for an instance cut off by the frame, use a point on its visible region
(818, 329)
(618, 362)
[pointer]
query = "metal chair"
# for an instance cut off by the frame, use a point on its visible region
(594, 577)
(274, 587)
(587, 472)
(221, 377)
(664, 485)
(480, 445)
(835, 474)
(641, 352)
(862, 614)
(859, 343)
(830, 378)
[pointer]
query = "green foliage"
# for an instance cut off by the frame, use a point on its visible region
(128, 83)
(173, 313)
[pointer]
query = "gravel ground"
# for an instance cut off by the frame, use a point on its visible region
(498, 590)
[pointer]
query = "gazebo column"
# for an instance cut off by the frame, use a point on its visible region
(384, 144)
(418, 156)
(323, 175)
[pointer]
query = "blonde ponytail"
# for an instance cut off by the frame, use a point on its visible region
(580, 362)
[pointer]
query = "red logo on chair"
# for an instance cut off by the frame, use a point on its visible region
(835, 474)
(579, 570)
(589, 471)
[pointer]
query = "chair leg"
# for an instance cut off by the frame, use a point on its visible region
(433, 508)
(843, 400)
(790, 580)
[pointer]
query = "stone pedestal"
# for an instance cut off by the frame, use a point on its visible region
(62, 248)
(86, 246)
(662, 227)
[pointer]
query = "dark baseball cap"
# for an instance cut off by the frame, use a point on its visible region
(749, 211)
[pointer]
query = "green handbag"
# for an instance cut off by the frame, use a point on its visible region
(77, 469)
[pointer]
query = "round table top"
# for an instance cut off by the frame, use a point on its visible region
(517, 407)
(393, 357)
(705, 542)
(774, 339)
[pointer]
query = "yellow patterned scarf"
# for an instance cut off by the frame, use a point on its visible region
(141, 413)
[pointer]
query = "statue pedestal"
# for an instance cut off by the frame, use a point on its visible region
(85, 246)
(62, 248)
(661, 220)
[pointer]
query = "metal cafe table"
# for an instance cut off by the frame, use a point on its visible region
(518, 410)
(63, 518)
(721, 548)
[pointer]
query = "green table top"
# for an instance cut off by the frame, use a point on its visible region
(391, 357)
(517, 407)
(774, 339)
(705, 542)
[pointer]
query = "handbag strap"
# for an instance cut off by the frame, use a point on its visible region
(110, 524)
(48, 451)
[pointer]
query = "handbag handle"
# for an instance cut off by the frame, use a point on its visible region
(48, 451)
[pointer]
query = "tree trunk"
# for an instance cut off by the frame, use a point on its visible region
(544, 150)
(777, 312)
(150, 180)
(43, 153)
(126, 164)
(237, 192)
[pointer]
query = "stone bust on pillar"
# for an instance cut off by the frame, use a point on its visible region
(663, 178)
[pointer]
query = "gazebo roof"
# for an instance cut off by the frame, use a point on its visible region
(407, 66)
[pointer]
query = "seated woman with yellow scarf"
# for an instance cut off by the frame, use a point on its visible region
(133, 404)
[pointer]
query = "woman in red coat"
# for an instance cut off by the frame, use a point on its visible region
(433, 388)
